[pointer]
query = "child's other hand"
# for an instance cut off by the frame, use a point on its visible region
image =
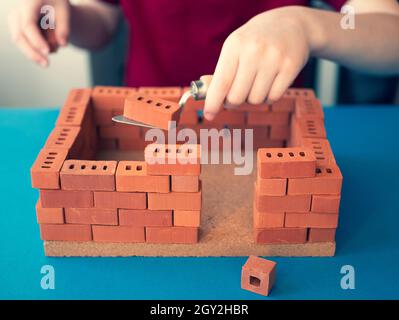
(259, 61)
(25, 28)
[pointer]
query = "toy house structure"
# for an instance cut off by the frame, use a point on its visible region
(100, 195)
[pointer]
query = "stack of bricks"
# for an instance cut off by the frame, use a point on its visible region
(82, 199)
(298, 189)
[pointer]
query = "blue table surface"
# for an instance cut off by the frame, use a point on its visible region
(365, 143)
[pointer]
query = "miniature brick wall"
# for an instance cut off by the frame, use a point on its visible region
(297, 189)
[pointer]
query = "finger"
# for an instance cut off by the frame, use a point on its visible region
(221, 81)
(62, 27)
(261, 86)
(281, 83)
(29, 51)
(242, 82)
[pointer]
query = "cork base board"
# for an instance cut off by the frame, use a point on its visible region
(226, 224)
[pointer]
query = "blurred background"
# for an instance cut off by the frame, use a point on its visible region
(24, 84)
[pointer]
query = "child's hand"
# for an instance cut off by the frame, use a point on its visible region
(260, 60)
(25, 28)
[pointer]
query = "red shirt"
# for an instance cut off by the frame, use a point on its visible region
(173, 42)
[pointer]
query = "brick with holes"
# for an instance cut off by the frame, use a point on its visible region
(153, 111)
(91, 216)
(308, 108)
(310, 220)
(121, 200)
(145, 218)
(280, 235)
(325, 203)
(167, 93)
(322, 150)
(75, 111)
(179, 160)
(88, 175)
(186, 218)
(132, 176)
(65, 232)
(180, 235)
(185, 183)
(286, 163)
(321, 235)
(258, 275)
(328, 181)
(118, 234)
(299, 92)
(49, 215)
(175, 200)
(308, 127)
(66, 138)
(111, 98)
(268, 118)
(45, 172)
(66, 199)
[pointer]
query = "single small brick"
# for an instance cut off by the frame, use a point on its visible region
(45, 172)
(286, 163)
(172, 235)
(175, 200)
(311, 220)
(76, 108)
(111, 98)
(133, 176)
(119, 131)
(328, 180)
(185, 183)
(167, 93)
(272, 186)
(280, 235)
(179, 160)
(321, 235)
(288, 203)
(65, 232)
(49, 215)
(325, 203)
(186, 218)
(268, 118)
(118, 234)
(91, 216)
(322, 150)
(121, 200)
(152, 111)
(258, 275)
(66, 199)
(88, 175)
(308, 108)
(266, 219)
(145, 218)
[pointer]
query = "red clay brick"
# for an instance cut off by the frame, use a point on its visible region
(132, 144)
(299, 92)
(185, 183)
(91, 216)
(51, 39)
(186, 218)
(66, 199)
(145, 218)
(262, 107)
(49, 215)
(280, 235)
(321, 235)
(258, 275)
(118, 234)
(121, 200)
(272, 186)
(167, 93)
(226, 117)
(119, 131)
(75, 109)
(311, 220)
(305, 107)
(45, 172)
(322, 150)
(63, 138)
(152, 110)
(103, 117)
(188, 117)
(283, 105)
(174, 200)
(111, 98)
(280, 132)
(170, 159)
(108, 144)
(268, 118)
(289, 203)
(133, 176)
(308, 127)
(65, 232)
(267, 220)
(328, 180)
(286, 163)
(88, 175)
(171, 235)
(325, 203)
